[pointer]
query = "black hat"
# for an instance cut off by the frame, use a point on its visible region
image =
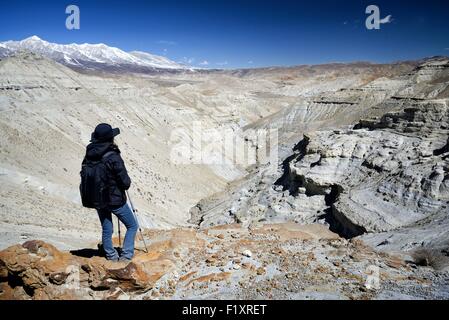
(104, 132)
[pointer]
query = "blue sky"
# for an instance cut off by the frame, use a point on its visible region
(245, 33)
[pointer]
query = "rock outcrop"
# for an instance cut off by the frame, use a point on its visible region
(385, 173)
(301, 232)
(272, 261)
(389, 173)
(383, 177)
(48, 113)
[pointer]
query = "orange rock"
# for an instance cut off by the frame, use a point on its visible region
(8, 293)
(32, 264)
(46, 273)
(246, 265)
(395, 262)
(260, 271)
(3, 270)
(131, 278)
(145, 257)
(211, 277)
(187, 276)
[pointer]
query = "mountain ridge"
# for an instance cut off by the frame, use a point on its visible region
(92, 56)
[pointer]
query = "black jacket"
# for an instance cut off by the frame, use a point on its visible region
(118, 179)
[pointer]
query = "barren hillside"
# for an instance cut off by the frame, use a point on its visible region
(48, 112)
(359, 183)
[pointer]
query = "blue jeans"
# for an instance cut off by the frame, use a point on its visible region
(126, 216)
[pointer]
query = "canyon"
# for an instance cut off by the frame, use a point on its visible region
(360, 179)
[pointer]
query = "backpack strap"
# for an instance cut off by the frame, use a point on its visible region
(107, 154)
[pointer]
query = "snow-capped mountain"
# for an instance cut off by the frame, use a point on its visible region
(92, 56)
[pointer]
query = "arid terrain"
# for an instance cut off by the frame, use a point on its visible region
(359, 186)
(272, 261)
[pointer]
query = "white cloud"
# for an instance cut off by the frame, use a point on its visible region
(387, 19)
(204, 63)
(446, 48)
(223, 63)
(167, 42)
(250, 62)
(188, 60)
(346, 22)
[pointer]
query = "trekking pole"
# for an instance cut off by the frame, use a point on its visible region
(119, 233)
(135, 216)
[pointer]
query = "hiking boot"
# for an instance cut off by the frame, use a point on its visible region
(123, 259)
(114, 259)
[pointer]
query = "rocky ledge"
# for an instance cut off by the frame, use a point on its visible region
(383, 175)
(277, 261)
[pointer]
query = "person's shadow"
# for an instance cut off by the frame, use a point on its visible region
(90, 252)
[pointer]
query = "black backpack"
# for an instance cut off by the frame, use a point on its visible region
(94, 186)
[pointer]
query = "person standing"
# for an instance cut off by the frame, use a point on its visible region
(104, 181)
